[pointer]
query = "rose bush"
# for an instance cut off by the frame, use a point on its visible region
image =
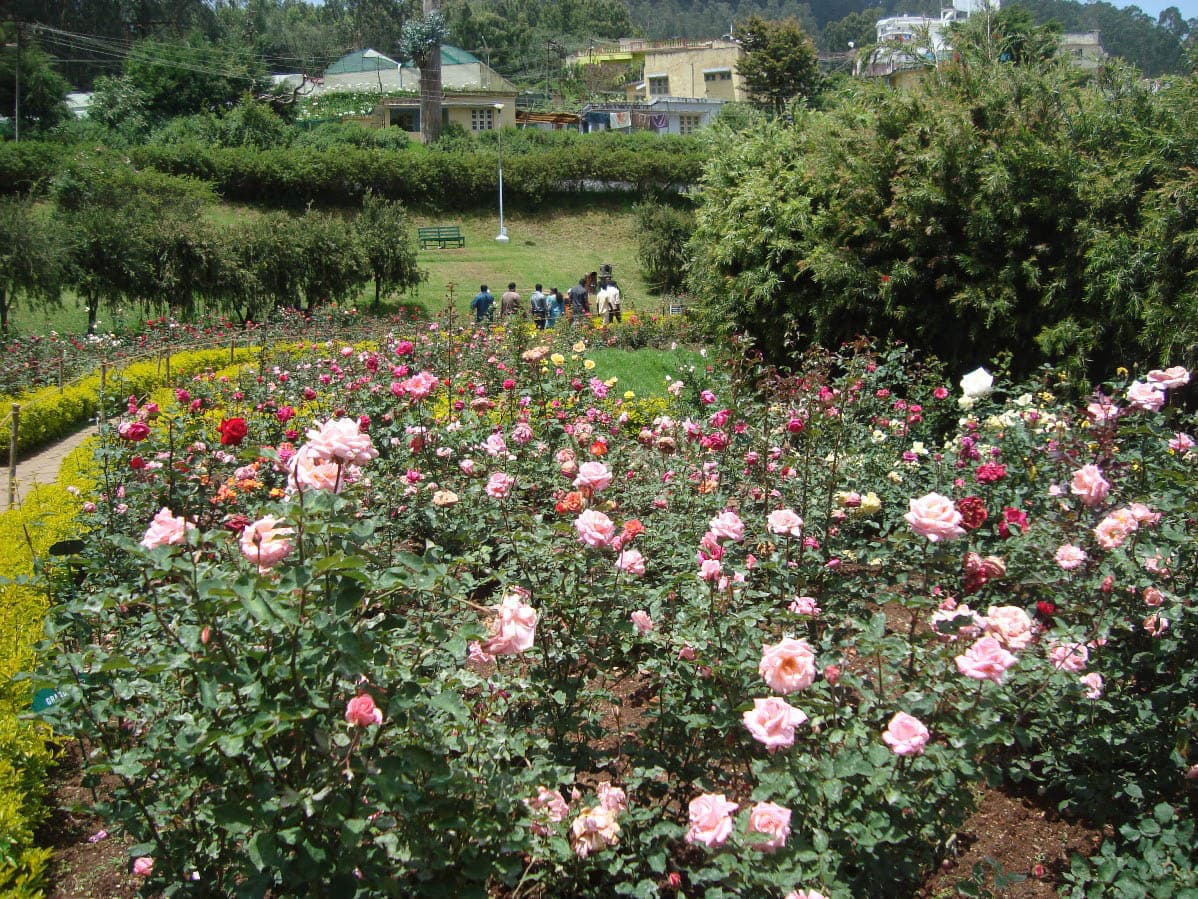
(610, 661)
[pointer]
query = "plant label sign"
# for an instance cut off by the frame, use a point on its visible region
(45, 698)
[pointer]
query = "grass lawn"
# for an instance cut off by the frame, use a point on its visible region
(554, 246)
(643, 371)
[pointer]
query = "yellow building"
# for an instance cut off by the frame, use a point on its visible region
(474, 110)
(705, 72)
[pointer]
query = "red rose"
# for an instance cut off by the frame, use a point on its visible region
(137, 463)
(973, 512)
(1010, 517)
(233, 431)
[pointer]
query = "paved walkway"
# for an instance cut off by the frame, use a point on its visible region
(43, 467)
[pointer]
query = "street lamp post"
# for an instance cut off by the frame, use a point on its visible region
(502, 236)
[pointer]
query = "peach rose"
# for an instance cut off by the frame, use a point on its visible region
(1010, 625)
(788, 666)
(593, 476)
(710, 820)
(1089, 485)
(935, 517)
(1115, 528)
(630, 561)
(772, 722)
(513, 629)
(265, 543)
(166, 530)
(593, 830)
(905, 735)
(551, 802)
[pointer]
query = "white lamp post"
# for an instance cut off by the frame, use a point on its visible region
(502, 236)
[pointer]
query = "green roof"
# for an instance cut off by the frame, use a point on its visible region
(451, 56)
(361, 61)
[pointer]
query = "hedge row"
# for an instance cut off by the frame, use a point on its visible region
(47, 515)
(28, 165)
(430, 179)
(47, 415)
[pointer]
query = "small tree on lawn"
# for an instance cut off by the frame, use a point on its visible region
(779, 61)
(382, 229)
(31, 256)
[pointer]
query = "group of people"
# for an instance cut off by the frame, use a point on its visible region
(546, 309)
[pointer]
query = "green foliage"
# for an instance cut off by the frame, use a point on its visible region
(779, 62)
(43, 89)
(1151, 857)
(122, 106)
(663, 232)
(992, 207)
(31, 254)
(385, 236)
(28, 166)
(182, 79)
(857, 28)
(1126, 32)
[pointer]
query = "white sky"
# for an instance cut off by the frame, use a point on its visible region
(1187, 8)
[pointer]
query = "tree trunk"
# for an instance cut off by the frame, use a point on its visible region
(4, 310)
(378, 290)
(93, 308)
(430, 87)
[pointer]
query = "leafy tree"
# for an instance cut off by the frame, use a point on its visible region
(662, 233)
(384, 234)
(857, 28)
(111, 258)
(42, 89)
(995, 207)
(336, 266)
(779, 62)
(31, 256)
(421, 42)
(181, 79)
(121, 105)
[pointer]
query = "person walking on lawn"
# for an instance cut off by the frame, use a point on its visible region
(580, 306)
(509, 303)
(483, 304)
(538, 305)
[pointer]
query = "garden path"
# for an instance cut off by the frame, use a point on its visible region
(42, 468)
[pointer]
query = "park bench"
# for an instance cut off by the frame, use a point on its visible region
(442, 236)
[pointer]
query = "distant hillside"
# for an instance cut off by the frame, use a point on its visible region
(1154, 48)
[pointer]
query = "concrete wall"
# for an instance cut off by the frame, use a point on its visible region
(686, 69)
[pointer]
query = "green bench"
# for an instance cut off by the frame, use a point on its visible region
(442, 236)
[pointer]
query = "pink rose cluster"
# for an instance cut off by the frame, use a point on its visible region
(596, 826)
(711, 823)
(935, 517)
(332, 456)
(513, 629)
(1116, 527)
(166, 529)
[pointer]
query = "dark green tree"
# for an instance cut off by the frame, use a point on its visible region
(43, 89)
(857, 28)
(779, 63)
(31, 256)
(384, 234)
(197, 76)
(662, 233)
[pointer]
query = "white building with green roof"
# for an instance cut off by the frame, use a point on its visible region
(370, 70)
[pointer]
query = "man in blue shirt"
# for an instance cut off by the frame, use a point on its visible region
(482, 304)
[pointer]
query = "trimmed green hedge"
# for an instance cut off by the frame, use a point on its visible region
(48, 514)
(47, 415)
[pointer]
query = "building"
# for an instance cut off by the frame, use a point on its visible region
(369, 70)
(677, 69)
(908, 43)
(1083, 49)
(663, 115)
(474, 110)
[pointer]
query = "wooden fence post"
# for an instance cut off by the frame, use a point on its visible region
(61, 360)
(232, 348)
(12, 454)
(168, 368)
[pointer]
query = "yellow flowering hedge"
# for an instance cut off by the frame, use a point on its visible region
(47, 515)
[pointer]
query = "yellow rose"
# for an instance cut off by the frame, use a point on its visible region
(588, 364)
(557, 359)
(579, 347)
(629, 395)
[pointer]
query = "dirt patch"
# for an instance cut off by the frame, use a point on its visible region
(86, 865)
(1013, 845)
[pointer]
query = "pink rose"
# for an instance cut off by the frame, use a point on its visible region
(1070, 557)
(641, 621)
(727, 526)
(513, 629)
(630, 561)
(935, 517)
(166, 530)
(710, 570)
(1177, 376)
(1010, 625)
(905, 735)
(595, 529)
(551, 802)
(593, 830)
(265, 543)
(1070, 657)
(1093, 684)
(804, 605)
(1102, 412)
(311, 470)
(1143, 515)
(342, 439)
(499, 485)
(361, 711)
(785, 522)
(1153, 597)
(1089, 485)
(710, 820)
(1181, 443)
(788, 666)
(611, 798)
(771, 821)
(1156, 625)
(985, 660)
(420, 385)
(813, 894)
(593, 476)
(958, 621)
(1149, 397)
(772, 722)
(143, 866)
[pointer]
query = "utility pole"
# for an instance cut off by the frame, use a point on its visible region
(16, 121)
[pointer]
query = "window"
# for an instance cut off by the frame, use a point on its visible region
(689, 123)
(659, 85)
(482, 120)
(407, 119)
(717, 75)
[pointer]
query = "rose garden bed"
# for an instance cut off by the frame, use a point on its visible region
(456, 614)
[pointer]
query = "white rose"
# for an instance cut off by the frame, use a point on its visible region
(977, 384)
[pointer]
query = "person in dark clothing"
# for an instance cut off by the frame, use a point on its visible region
(538, 305)
(483, 304)
(580, 305)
